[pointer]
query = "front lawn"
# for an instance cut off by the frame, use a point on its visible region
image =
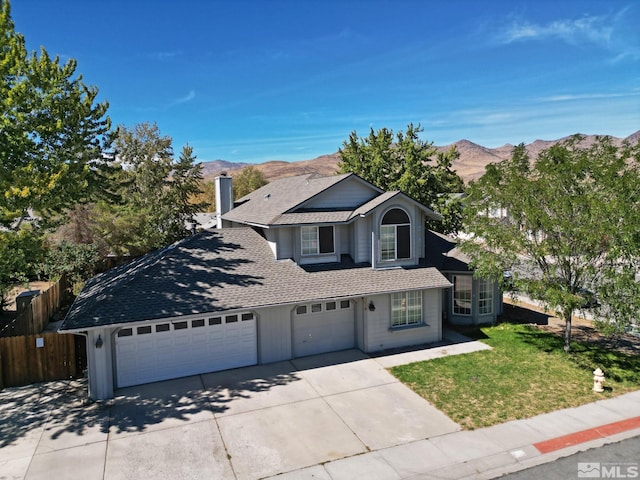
(527, 373)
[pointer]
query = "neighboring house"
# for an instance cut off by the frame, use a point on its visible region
(203, 221)
(301, 266)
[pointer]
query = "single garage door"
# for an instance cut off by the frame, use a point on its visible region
(161, 351)
(323, 327)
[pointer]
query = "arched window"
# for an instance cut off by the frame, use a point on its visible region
(395, 235)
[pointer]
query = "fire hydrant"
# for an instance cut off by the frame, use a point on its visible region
(598, 380)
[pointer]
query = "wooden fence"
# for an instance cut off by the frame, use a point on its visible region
(28, 356)
(28, 359)
(36, 315)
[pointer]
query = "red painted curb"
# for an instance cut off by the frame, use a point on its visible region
(586, 435)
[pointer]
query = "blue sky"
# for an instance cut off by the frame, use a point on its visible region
(289, 80)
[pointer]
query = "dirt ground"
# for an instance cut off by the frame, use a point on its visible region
(42, 286)
(582, 329)
(9, 313)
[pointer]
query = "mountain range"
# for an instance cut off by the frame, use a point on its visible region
(470, 166)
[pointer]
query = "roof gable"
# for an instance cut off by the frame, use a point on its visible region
(345, 195)
(265, 205)
(307, 199)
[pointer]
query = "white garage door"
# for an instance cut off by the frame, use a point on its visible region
(161, 351)
(323, 327)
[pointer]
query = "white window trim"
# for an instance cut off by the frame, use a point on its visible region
(395, 243)
(323, 307)
(395, 236)
(485, 287)
(453, 296)
(406, 308)
(316, 229)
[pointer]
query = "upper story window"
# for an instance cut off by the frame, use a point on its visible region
(395, 235)
(317, 240)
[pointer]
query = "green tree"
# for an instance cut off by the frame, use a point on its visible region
(184, 185)
(408, 164)
(248, 180)
(20, 254)
(76, 260)
(207, 196)
(572, 228)
(52, 135)
(156, 193)
(51, 130)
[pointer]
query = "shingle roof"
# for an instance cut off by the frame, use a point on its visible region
(276, 202)
(443, 252)
(265, 205)
(298, 218)
(225, 270)
(385, 197)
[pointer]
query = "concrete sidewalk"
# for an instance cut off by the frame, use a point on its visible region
(334, 416)
(495, 451)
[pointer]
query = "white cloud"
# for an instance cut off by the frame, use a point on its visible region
(187, 98)
(585, 96)
(615, 32)
(595, 29)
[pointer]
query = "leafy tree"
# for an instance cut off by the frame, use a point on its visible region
(156, 193)
(207, 196)
(50, 131)
(20, 253)
(409, 164)
(183, 187)
(248, 180)
(572, 230)
(76, 260)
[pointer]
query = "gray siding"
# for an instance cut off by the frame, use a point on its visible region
(274, 334)
(100, 363)
(359, 314)
(320, 258)
(287, 243)
(345, 233)
(362, 243)
(419, 248)
(417, 232)
(273, 240)
(379, 335)
(350, 193)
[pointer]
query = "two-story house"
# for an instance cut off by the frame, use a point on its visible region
(301, 266)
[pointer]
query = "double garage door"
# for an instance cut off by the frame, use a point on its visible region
(161, 351)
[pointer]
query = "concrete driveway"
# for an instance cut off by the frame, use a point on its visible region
(247, 423)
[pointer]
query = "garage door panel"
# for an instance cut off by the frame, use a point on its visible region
(323, 332)
(162, 355)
